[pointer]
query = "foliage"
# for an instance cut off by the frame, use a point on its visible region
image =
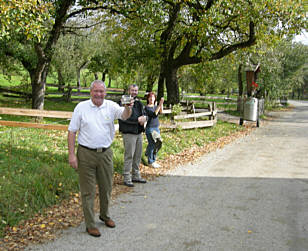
(176, 109)
(126, 54)
(217, 76)
(35, 56)
(281, 68)
(24, 16)
(149, 39)
(190, 32)
(73, 53)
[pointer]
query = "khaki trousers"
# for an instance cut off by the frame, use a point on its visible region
(132, 156)
(95, 167)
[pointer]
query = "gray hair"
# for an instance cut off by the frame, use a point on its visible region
(132, 85)
(100, 82)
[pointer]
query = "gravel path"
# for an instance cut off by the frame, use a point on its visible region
(250, 195)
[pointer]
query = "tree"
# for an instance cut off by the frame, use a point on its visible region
(73, 53)
(294, 66)
(35, 54)
(63, 61)
(217, 76)
(23, 16)
(282, 68)
(130, 54)
(191, 31)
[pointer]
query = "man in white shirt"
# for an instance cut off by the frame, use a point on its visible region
(94, 120)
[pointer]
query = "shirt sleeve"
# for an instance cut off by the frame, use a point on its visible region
(117, 110)
(75, 122)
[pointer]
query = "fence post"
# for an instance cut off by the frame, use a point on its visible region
(213, 109)
(194, 111)
(210, 108)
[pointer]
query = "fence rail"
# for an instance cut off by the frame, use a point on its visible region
(34, 113)
(211, 114)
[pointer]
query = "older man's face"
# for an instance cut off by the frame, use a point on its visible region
(98, 93)
(133, 91)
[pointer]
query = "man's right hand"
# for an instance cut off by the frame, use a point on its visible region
(72, 160)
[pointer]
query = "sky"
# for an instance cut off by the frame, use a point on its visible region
(303, 38)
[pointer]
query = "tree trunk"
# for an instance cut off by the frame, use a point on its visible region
(240, 80)
(161, 82)
(78, 71)
(150, 82)
(38, 82)
(60, 80)
(38, 93)
(240, 89)
(109, 82)
(173, 94)
(105, 72)
(38, 73)
(78, 79)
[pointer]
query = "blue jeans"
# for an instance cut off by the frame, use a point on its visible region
(151, 144)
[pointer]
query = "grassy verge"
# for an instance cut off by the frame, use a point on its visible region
(33, 172)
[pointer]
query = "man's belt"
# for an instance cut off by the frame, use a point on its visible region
(98, 150)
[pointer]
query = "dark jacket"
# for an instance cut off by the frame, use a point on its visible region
(131, 125)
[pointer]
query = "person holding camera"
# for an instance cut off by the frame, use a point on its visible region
(131, 130)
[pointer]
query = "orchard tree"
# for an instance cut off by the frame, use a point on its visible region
(35, 51)
(212, 77)
(132, 56)
(282, 68)
(191, 31)
(23, 16)
(63, 61)
(294, 66)
(73, 53)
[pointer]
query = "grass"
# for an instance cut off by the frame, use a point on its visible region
(34, 170)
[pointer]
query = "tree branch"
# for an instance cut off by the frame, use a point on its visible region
(227, 50)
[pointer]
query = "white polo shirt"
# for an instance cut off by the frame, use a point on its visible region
(95, 124)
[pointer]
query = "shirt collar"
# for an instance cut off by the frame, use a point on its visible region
(93, 105)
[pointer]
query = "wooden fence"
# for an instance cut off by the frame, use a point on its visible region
(210, 114)
(34, 113)
(191, 113)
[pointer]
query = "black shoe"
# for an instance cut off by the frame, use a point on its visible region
(140, 180)
(128, 184)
